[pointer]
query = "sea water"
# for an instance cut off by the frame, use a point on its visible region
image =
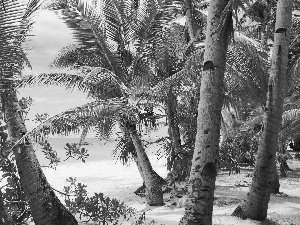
(101, 171)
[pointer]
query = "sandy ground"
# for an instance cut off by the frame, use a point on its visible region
(283, 209)
(118, 181)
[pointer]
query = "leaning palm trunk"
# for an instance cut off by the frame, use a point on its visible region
(201, 185)
(139, 159)
(153, 182)
(46, 208)
(256, 204)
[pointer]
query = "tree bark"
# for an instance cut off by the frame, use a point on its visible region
(265, 26)
(153, 182)
(201, 185)
(190, 19)
(83, 136)
(274, 179)
(45, 206)
(174, 132)
(256, 204)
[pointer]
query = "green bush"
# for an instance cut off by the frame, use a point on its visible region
(98, 208)
(238, 149)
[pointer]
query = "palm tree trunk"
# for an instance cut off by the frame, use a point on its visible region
(174, 133)
(256, 205)
(265, 26)
(282, 161)
(82, 137)
(296, 143)
(224, 131)
(274, 179)
(154, 195)
(45, 206)
(190, 19)
(201, 185)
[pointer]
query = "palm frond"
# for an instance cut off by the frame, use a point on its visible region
(247, 69)
(142, 74)
(105, 127)
(86, 20)
(188, 77)
(290, 115)
(124, 150)
(69, 81)
(291, 123)
(104, 84)
(14, 26)
(76, 119)
(97, 82)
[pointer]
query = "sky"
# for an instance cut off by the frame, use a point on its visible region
(50, 34)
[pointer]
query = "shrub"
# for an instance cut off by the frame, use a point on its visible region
(97, 208)
(238, 149)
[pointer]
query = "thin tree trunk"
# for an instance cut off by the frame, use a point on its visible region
(201, 185)
(45, 206)
(153, 183)
(265, 26)
(256, 205)
(83, 136)
(190, 19)
(296, 144)
(223, 132)
(4, 220)
(282, 160)
(174, 132)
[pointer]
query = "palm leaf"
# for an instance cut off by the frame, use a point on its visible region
(124, 150)
(104, 84)
(69, 81)
(291, 123)
(76, 119)
(87, 23)
(14, 26)
(74, 56)
(189, 76)
(105, 126)
(247, 69)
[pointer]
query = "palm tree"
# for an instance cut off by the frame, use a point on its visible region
(107, 67)
(201, 185)
(14, 25)
(256, 204)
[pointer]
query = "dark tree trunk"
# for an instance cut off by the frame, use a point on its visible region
(296, 144)
(256, 205)
(46, 208)
(174, 132)
(4, 220)
(190, 19)
(153, 182)
(274, 179)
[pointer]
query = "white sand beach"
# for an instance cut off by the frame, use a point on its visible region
(102, 173)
